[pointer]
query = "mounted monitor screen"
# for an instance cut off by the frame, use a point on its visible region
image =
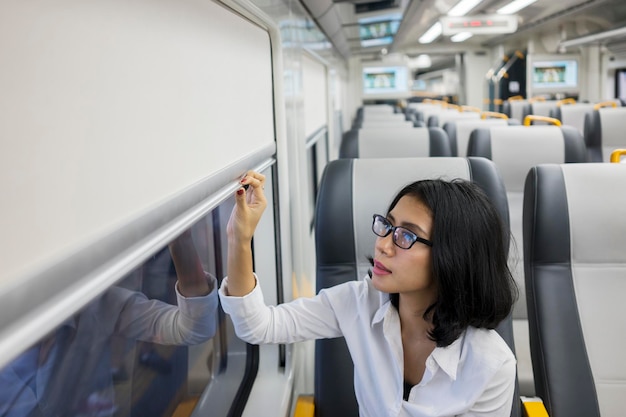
(558, 75)
(380, 30)
(385, 82)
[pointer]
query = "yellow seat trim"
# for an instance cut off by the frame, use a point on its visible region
(565, 101)
(602, 104)
(533, 407)
(531, 117)
(616, 155)
(305, 407)
(487, 114)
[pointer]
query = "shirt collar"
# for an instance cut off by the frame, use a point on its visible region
(448, 357)
(384, 305)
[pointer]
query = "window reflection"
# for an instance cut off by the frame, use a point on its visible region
(128, 352)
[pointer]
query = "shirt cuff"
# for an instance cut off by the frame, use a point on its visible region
(200, 306)
(241, 306)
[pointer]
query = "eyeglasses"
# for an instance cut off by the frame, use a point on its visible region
(402, 237)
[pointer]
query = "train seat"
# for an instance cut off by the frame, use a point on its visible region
(423, 111)
(573, 114)
(373, 111)
(516, 109)
(384, 123)
(450, 115)
(575, 264)
(378, 109)
(459, 132)
(604, 132)
(394, 142)
(516, 149)
(356, 188)
(542, 108)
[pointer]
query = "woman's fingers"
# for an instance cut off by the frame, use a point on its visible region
(254, 180)
(249, 206)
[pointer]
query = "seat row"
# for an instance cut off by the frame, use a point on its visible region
(508, 162)
(378, 131)
(570, 303)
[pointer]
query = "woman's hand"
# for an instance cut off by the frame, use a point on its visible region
(249, 206)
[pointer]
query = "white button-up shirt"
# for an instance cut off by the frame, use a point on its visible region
(474, 376)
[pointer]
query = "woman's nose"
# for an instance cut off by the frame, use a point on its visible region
(385, 244)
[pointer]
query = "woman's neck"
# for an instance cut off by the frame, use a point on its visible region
(411, 311)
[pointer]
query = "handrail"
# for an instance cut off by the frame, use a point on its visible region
(566, 101)
(470, 108)
(603, 104)
(616, 155)
(494, 114)
(515, 98)
(531, 118)
(538, 98)
(453, 106)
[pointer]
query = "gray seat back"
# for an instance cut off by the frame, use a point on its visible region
(542, 108)
(351, 190)
(394, 142)
(575, 268)
(459, 132)
(573, 115)
(515, 150)
(516, 109)
(450, 115)
(604, 132)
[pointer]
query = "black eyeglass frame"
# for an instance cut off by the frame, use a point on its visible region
(393, 229)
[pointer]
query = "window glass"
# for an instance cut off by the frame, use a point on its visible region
(317, 158)
(141, 348)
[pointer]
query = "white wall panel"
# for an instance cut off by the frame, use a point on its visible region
(109, 107)
(315, 90)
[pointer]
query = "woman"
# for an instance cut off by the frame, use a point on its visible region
(420, 327)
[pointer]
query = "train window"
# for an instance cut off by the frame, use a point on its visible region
(620, 84)
(317, 158)
(141, 348)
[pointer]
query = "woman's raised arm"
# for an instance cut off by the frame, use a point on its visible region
(249, 206)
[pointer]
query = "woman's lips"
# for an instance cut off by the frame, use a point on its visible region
(379, 269)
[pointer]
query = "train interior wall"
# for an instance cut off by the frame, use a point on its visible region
(223, 97)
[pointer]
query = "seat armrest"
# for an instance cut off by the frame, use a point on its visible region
(533, 407)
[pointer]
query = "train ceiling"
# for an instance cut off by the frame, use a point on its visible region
(370, 29)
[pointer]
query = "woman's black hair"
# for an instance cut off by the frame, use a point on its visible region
(469, 258)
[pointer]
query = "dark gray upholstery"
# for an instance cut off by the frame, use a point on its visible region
(515, 150)
(604, 132)
(390, 142)
(516, 109)
(460, 130)
(349, 146)
(572, 114)
(593, 136)
(575, 271)
(350, 190)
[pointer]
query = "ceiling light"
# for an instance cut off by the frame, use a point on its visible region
(463, 7)
(431, 34)
(461, 36)
(515, 6)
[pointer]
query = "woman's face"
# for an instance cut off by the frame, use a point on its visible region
(398, 270)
